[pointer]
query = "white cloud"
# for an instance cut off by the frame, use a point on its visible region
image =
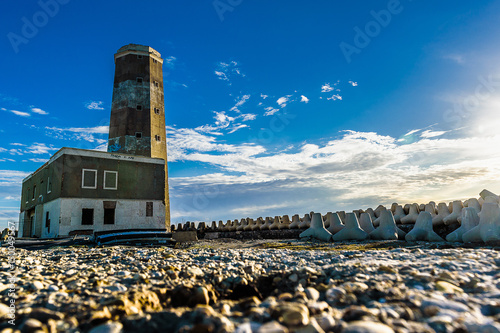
(39, 160)
(17, 144)
(457, 58)
(237, 127)
(263, 96)
(432, 134)
(39, 111)
(78, 133)
(304, 99)
(40, 148)
(2, 150)
(248, 116)
(95, 105)
(335, 97)
(10, 197)
(226, 70)
(16, 152)
(354, 84)
(282, 101)
(20, 113)
(270, 111)
(170, 61)
(239, 103)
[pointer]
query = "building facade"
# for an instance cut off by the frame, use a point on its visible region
(80, 191)
(84, 190)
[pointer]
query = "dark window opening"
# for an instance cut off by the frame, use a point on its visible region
(34, 193)
(109, 216)
(157, 110)
(27, 195)
(87, 216)
(139, 80)
(157, 138)
(157, 84)
(49, 186)
(149, 208)
(139, 56)
(139, 107)
(155, 61)
(138, 135)
(47, 222)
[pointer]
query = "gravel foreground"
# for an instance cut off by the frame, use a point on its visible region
(255, 286)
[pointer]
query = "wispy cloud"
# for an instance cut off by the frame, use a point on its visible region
(20, 113)
(227, 70)
(239, 103)
(270, 111)
(40, 148)
(283, 101)
(39, 160)
(170, 62)
(94, 105)
(78, 133)
(457, 58)
(39, 111)
(335, 97)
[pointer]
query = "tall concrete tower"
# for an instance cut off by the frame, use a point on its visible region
(137, 123)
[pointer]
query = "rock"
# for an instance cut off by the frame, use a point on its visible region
(4, 311)
(44, 315)
(312, 294)
(112, 327)
(272, 327)
(448, 288)
(367, 327)
(37, 285)
(293, 314)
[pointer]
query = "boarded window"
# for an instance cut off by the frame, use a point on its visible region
(110, 180)
(34, 193)
(139, 80)
(109, 216)
(47, 222)
(139, 107)
(89, 178)
(87, 216)
(149, 208)
(139, 56)
(138, 135)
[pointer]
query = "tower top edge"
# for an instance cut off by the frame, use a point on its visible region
(139, 48)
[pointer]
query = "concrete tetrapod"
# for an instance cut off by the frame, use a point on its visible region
(412, 215)
(306, 222)
(241, 225)
(285, 224)
(249, 226)
(341, 214)
(351, 231)
(471, 203)
(399, 213)
(423, 230)
(470, 219)
(488, 229)
(317, 229)
(295, 222)
(430, 209)
(376, 222)
(443, 211)
(369, 211)
(387, 229)
(276, 223)
(266, 224)
(335, 223)
(485, 193)
(455, 213)
(365, 222)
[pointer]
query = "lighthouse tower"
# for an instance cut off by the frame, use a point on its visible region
(137, 124)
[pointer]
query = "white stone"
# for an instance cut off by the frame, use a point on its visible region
(423, 230)
(470, 219)
(317, 229)
(351, 231)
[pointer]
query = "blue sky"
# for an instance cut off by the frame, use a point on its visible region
(272, 108)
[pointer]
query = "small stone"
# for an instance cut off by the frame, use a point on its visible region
(116, 287)
(312, 294)
(294, 277)
(335, 294)
(4, 311)
(53, 287)
(37, 285)
(113, 327)
(448, 288)
(44, 315)
(272, 327)
(367, 327)
(294, 314)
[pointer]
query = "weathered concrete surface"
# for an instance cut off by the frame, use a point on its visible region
(185, 236)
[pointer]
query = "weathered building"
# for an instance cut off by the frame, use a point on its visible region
(125, 188)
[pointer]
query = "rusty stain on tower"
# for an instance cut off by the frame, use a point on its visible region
(137, 124)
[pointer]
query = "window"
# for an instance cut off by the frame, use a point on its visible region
(89, 178)
(87, 216)
(47, 221)
(34, 193)
(109, 216)
(157, 110)
(49, 185)
(139, 107)
(155, 61)
(156, 84)
(139, 80)
(149, 208)
(110, 180)
(138, 135)
(139, 56)
(157, 138)
(27, 195)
